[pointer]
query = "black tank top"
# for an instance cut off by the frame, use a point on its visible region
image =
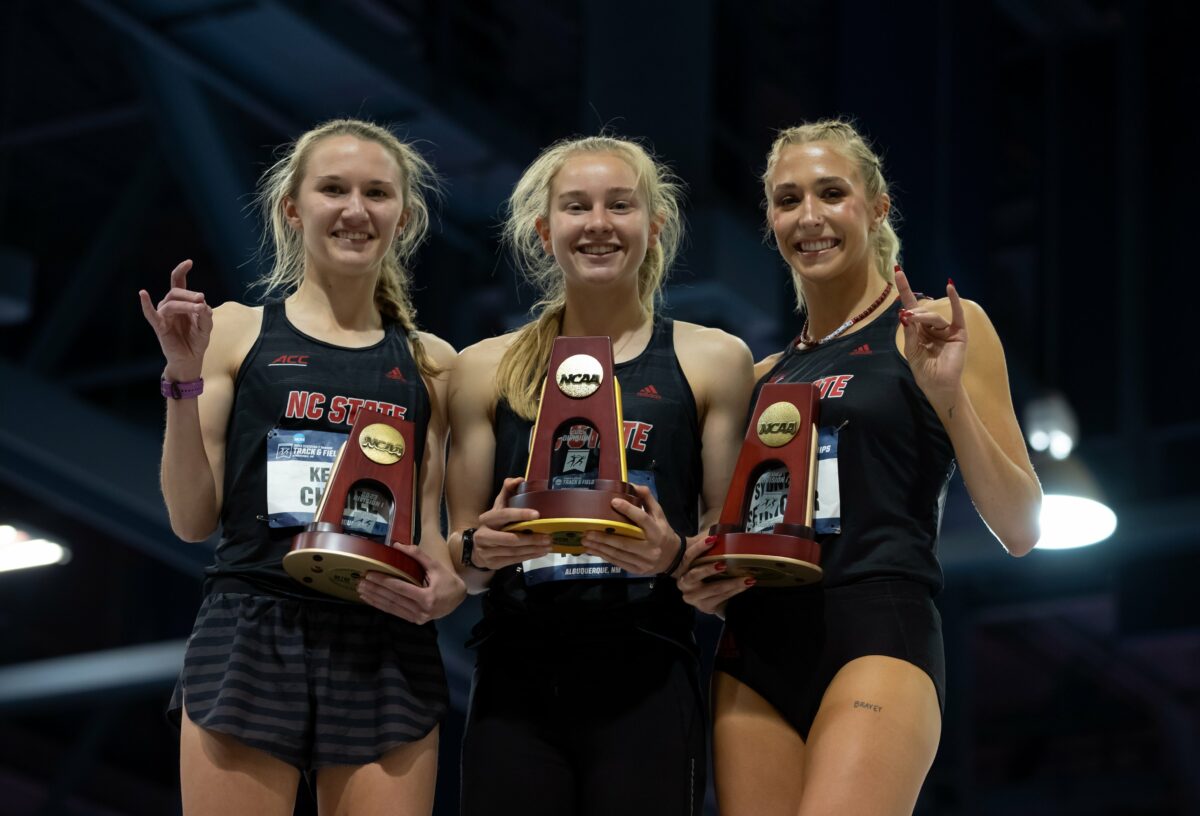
(293, 383)
(662, 445)
(894, 457)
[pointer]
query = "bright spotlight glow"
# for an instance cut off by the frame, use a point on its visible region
(1060, 445)
(1039, 440)
(1073, 521)
(18, 551)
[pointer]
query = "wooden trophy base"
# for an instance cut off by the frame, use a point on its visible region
(771, 559)
(567, 533)
(333, 562)
(569, 513)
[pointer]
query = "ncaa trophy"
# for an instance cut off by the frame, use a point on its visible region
(577, 453)
(368, 502)
(782, 436)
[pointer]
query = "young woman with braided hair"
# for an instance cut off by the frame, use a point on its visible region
(278, 680)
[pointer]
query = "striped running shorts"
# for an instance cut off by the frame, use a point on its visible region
(311, 683)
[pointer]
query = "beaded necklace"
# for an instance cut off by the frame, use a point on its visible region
(840, 330)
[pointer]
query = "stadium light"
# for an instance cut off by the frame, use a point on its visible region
(19, 550)
(1073, 511)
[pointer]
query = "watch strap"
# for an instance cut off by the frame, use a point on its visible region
(468, 549)
(189, 389)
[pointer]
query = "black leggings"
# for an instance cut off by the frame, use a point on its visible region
(614, 729)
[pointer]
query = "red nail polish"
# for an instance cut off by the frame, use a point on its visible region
(750, 582)
(949, 281)
(720, 566)
(711, 540)
(897, 268)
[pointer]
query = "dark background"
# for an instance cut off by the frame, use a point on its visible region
(1041, 153)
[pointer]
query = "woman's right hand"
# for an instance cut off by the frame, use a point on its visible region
(495, 548)
(183, 323)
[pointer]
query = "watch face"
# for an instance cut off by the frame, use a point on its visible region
(468, 546)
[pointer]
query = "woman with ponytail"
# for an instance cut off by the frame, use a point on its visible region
(587, 696)
(828, 698)
(280, 681)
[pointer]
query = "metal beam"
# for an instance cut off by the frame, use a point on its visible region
(460, 152)
(213, 177)
(83, 678)
(59, 329)
(375, 45)
(470, 143)
(175, 56)
(152, 668)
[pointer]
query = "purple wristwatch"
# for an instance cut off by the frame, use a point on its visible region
(182, 390)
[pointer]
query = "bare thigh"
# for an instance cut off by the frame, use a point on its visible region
(219, 775)
(400, 783)
(873, 740)
(758, 758)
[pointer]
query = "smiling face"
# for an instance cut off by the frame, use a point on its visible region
(820, 212)
(599, 226)
(349, 206)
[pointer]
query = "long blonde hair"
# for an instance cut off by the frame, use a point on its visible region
(524, 362)
(885, 243)
(417, 180)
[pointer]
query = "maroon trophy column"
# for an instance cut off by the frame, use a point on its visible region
(581, 407)
(782, 434)
(376, 464)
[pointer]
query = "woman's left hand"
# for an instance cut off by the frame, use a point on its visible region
(442, 592)
(634, 555)
(936, 348)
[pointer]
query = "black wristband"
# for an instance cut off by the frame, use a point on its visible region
(468, 548)
(678, 556)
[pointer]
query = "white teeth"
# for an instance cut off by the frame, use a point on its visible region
(817, 246)
(597, 249)
(352, 236)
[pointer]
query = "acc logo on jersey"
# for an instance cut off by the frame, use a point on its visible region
(779, 424)
(290, 360)
(381, 443)
(579, 376)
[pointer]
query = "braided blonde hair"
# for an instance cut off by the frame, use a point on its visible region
(417, 180)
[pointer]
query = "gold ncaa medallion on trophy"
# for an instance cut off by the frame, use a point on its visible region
(782, 435)
(579, 431)
(370, 495)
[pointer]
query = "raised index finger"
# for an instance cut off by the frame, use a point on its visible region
(956, 310)
(907, 298)
(179, 275)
